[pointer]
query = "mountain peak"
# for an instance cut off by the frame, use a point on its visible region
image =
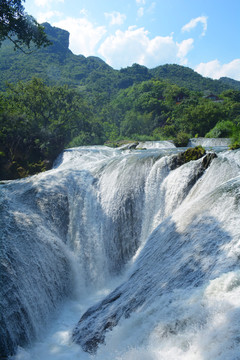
(57, 35)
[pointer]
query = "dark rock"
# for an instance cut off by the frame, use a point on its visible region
(86, 325)
(186, 156)
(192, 154)
(133, 146)
(208, 159)
(59, 37)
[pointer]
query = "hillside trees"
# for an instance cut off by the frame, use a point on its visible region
(232, 105)
(145, 108)
(198, 119)
(36, 123)
(138, 109)
(160, 110)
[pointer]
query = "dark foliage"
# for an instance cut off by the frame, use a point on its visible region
(20, 28)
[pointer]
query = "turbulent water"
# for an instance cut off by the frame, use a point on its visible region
(155, 145)
(210, 142)
(122, 255)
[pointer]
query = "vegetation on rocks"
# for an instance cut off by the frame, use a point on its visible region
(234, 146)
(190, 154)
(193, 153)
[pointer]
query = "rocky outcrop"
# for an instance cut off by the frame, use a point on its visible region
(93, 336)
(208, 159)
(58, 37)
(191, 154)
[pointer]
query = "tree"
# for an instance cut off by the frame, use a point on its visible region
(56, 113)
(19, 27)
(199, 118)
(36, 123)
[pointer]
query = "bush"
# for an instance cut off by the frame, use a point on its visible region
(188, 155)
(194, 153)
(234, 146)
(222, 129)
(181, 139)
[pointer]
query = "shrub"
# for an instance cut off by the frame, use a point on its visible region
(181, 139)
(194, 153)
(223, 129)
(235, 145)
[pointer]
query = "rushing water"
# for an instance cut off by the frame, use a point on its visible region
(210, 142)
(155, 145)
(149, 249)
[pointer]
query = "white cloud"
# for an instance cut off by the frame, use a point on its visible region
(84, 12)
(84, 36)
(46, 16)
(151, 7)
(215, 70)
(194, 22)
(134, 46)
(140, 12)
(115, 18)
(123, 48)
(183, 49)
(41, 2)
(141, 2)
(46, 2)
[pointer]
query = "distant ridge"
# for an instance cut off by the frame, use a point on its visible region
(234, 84)
(186, 77)
(56, 64)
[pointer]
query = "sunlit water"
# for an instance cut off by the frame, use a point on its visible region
(102, 218)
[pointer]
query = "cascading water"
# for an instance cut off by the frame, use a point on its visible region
(155, 145)
(171, 232)
(210, 142)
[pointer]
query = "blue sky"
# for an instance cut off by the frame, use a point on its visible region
(201, 34)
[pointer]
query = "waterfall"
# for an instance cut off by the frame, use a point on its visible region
(209, 142)
(155, 144)
(170, 232)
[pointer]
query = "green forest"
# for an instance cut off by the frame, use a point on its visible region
(52, 99)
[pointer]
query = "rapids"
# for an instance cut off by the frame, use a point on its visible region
(143, 252)
(209, 142)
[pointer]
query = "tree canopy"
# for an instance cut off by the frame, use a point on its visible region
(37, 121)
(19, 27)
(65, 100)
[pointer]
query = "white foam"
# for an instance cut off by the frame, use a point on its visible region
(187, 231)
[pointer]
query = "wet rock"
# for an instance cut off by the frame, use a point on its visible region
(188, 155)
(208, 159)
(85, 333)
(131, 146)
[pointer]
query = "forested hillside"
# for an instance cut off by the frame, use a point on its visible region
(56, 64)
(52, 99)
(184, 76)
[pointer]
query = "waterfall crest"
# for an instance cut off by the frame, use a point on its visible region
(210, 142)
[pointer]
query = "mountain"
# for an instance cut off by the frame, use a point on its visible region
(186, 77)
(234, 84)
(56, 64)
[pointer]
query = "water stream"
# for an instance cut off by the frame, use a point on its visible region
(144, 252)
